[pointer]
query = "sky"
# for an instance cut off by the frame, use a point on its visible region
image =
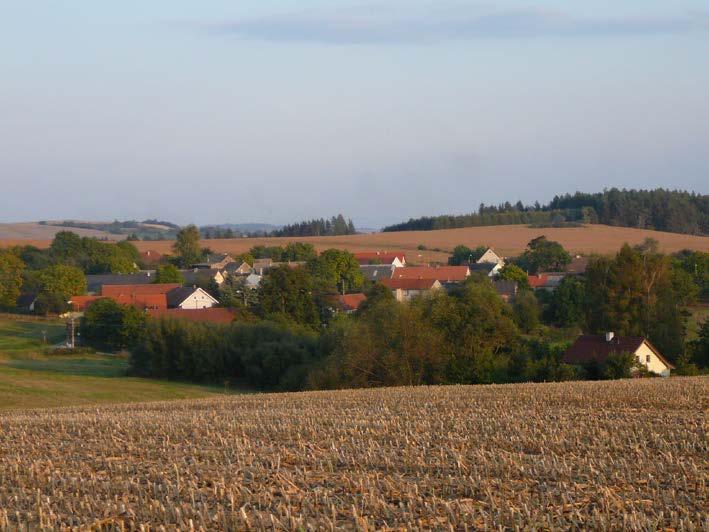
(280, 110)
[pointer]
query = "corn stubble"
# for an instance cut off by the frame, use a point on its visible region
(605, 455)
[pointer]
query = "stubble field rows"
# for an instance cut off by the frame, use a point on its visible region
(604, 455)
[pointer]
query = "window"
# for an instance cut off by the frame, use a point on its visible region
(647, 359)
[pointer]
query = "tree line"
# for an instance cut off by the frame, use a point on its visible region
(660, 209)
(335, 226)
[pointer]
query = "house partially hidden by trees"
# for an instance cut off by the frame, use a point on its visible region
(214, 262)
(590, 349)
(490, 257)
(406, 289)
(442, 274)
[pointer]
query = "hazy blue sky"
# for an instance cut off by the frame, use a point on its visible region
(276, 110)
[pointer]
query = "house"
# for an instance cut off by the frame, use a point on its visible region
(108, 290)
(398, 260)
(26, 302)
(490, 269)
(95, 282)
(236, 268)
(214, 262)
(253, 281)
(490, 257)
(186, 297)
(261, 266)
(203, 315)
(140, 301)
(507, 290)
(405, 289)
(349, 303)
(578, 265)
(590, 347)
(442, 274)
(150, 257)
(548, 281)
(377, 272)
(202, 276)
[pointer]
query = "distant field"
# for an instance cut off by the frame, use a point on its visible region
(18, 233)
(31, 378)
(506, 239)
(622, 455)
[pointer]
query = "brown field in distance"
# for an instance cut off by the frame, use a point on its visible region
(506, 239)
(613, 455)
(34, 232)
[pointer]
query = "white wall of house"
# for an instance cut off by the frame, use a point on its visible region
(490, 257)
(651, 361)
(199, 299)
(398, 263)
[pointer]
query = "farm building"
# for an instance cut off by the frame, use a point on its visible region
(95, 282)
(589, 347)
(215, 262)
(202, 276)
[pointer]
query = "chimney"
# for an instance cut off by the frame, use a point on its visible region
(609, 336)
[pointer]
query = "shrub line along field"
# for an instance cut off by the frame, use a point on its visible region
(585, 455)
(505, 239)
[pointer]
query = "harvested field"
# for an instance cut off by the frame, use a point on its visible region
(605, 455)
(39, 234)
(506, 239)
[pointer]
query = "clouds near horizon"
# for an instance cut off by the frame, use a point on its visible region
(434, 23)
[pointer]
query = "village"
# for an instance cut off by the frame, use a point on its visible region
(197, 298)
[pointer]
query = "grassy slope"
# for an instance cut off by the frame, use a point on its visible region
(30, 378)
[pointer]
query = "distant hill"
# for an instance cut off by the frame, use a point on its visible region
(660, 210)
(36, 231)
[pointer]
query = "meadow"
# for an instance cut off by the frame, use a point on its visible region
(33, 376)
(584, 455)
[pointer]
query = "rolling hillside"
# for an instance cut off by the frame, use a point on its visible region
(506, 239)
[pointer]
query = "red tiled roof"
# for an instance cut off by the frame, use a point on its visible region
(439, 273)
(150, 256)
(81, 303)
(537, 281)
(117, 289)
(588, 347)
(204, 315)
(142, 301)
(409, 284)
(367, 257)
(352, 301)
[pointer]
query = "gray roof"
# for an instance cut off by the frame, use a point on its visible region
(376, 272)
(198, 275)
(505, 288)
(485, 267)
(95, 282)
(178, 295)
(233, 266)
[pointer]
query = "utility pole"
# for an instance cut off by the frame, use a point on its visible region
(70, 332)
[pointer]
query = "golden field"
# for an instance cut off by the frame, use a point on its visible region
(584, 455)
(506, 239)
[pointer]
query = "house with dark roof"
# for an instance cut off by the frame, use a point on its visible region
(26, 302)
(491, 269)
(376, 272)
(215, 261)
(406, 289)
(202, 276)
(238, 268)
(590, 347)
(186, 297)
(95, 282)
(507, 290)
